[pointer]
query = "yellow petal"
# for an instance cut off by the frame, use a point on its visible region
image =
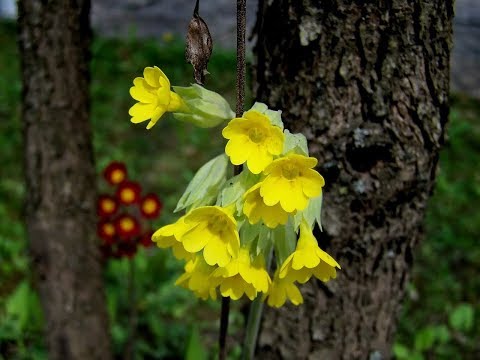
(294, 294)
(195, 239)
(142, 95)
(175, 102)
(235, 127)
(157, 114)
(275, 141)
(142, 111)
(312, 183)
(215, 252)
(258, 159)
(239, 149)
(152, 75)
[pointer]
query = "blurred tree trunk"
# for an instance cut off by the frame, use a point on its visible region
(54, 38)
(367, 82)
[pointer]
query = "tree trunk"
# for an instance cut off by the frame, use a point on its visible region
(54, 39)
(367, 83)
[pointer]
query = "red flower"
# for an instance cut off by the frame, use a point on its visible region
(128, 192)
(146, 239)
(115, 173)
(127, 227)
(150, 206)
(106, 230)
(106, 205)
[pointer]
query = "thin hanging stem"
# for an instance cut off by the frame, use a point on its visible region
(241, 69)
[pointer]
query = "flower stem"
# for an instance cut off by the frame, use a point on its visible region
(132, 318)
(254, 317)
(241, 68)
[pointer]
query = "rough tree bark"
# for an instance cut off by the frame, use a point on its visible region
(367, 83)
(54, 39)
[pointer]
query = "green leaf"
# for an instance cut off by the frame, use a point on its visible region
(296, 143)
(234, 189)
(312, 213)
(275, 116)
(204, 187)
(284, 239)
(425, 339)
(195, 348)
(401, 352)
(462, 317)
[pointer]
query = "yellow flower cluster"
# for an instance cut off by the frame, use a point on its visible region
(233, 225)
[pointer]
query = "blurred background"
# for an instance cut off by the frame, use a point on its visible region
(441, 315)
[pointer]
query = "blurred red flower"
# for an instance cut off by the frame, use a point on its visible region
(146, 239)
(128, 192)
(150, 206)
(115, 173)
(106, 230)
(106, 205)
(127, 227)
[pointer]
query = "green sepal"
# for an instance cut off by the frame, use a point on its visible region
(235, 187)
(257, 237)
(284, 240)
(275, 116)
(203, 189)
(312, 213)
(205, 108)
(296, 143)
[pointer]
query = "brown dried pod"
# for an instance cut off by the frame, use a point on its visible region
(199, 46)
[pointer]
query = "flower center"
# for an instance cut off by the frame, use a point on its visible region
(290, 172)
(127, 224)
(128, 195)
(109, 229)
(256, 135)
(149, 206)
(117, 176)
(108, 206)
(218, 224)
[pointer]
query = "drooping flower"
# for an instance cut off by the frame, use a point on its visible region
(128, 192)
(308, 259)
(154, 96)
(169, 237)
(291, 182)
(242, 276)
(256, 210)
(106, 206)
(197, 278)
(115, 173)
(150, 206)
(254, 140)
(212, 229)
(282, 290)
(127, 227)
(106, 231)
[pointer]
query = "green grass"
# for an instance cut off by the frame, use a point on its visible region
(437, 320)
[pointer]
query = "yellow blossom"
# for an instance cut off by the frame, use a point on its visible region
(168, 237)
(197, 278)
(257, 210)
(254, 140)
(209, 228)
(154, 96)
(282, 290)
(308, 259)
(291, 181)
(242, 276)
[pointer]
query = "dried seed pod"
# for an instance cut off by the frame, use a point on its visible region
(199, 46)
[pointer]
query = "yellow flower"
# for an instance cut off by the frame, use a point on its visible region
(254, 140)
(168, 237)
(308, 259)
(197, 278)
(291, 181)
(257, 210)
(210, 228)
(152, 91)
(242, 276)
(282, 290)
